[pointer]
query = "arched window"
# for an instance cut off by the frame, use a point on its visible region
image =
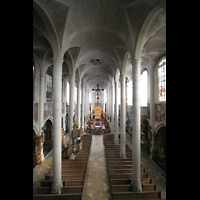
(162, 80)
(49, 84)
(89, 97)
(143, 88)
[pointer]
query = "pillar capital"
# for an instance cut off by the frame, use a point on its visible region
(136, 61)
(116, 82)
(122, 76)
(58, 60)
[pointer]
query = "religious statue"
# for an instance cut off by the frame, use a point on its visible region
(74, 119)
(66, 123)
(42, 136)
(75, 126)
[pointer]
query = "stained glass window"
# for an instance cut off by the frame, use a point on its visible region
(162, 80)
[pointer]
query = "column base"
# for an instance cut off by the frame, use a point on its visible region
(122, 155)
(116, 142)
(136, 188)
(42, 157)
(57, 189)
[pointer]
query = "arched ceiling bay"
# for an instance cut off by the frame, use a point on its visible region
(94, 29)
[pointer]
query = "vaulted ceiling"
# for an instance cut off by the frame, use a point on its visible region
(96, 30)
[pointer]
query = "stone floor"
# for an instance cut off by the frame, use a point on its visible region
(96, 180)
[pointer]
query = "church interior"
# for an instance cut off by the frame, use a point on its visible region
(99, 99)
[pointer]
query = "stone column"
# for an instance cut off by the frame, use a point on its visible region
(116, 141)
(152, 110)
(41, 108)
(78, 103)
(123, 117)
(112, 108)
(136, 147)
(86, 106)
(57, 133)
(64, 100)
(83, 102)
(108, 104)
(71, 107)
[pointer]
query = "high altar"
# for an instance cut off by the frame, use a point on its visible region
(97, 111)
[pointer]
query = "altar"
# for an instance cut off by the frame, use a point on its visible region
(98, 113)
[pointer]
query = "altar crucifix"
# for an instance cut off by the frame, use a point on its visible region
(98, 90)
(97, 107)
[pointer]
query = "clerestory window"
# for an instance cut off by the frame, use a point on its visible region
(162, 80)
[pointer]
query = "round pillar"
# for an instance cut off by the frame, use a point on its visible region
(136, 146)
(57, 133)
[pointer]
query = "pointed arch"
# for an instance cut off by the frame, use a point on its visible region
(117, 75)
(151, 24)
(78, 75)
(162, 124)
(126, 61)
(36, 130)
(69, 60)
(53, 37)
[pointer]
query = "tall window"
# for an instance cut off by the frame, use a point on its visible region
(105, 96)
(143, 88)
(162, 80)
(75, 95)
(49, 86)
(89, 97)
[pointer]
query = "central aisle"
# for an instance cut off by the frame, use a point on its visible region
(96, 180)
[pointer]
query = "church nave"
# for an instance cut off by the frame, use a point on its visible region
(99, 68)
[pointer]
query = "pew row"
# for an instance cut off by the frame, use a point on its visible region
(120, 174)
(73, 176)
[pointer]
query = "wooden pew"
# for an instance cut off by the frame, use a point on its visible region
(143, 195)
(120, 166)
(70, 189)
(71, 196)
(128, 181)
(73, 174)
(67, 177)
(120, 174)
(73, 182)
(126, 175)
